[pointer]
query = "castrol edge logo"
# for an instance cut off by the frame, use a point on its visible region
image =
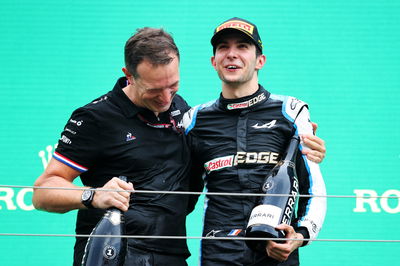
(219, 163)
(248, 103)
(236, 24)
(242, 158)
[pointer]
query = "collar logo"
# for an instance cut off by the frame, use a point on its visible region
(248, 103)
(176, 112)
(236, 24)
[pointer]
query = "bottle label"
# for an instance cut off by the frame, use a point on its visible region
(109, 252)
(265, 214)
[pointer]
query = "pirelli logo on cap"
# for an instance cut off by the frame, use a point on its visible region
(236, 24)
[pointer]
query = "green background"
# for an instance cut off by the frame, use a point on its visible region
(341, 57)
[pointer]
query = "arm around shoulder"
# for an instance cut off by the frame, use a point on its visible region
(311, 210)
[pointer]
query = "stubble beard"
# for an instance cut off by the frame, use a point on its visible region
(235, 81)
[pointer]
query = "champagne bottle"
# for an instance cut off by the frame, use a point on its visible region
(110, 251)
(275, 210)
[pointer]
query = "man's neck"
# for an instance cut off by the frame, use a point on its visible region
(235, 90)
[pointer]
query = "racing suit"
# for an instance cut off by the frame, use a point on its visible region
(237, 141)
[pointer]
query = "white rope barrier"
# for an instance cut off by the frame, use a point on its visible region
(202, 193)
(199, 237)
(204, 238)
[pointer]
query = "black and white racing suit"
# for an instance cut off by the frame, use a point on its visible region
(237, 142)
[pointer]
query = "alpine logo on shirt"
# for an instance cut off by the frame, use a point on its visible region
(242, 158)
(266, 125)
(246, 104)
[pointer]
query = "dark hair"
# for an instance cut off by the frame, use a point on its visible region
(151, 44)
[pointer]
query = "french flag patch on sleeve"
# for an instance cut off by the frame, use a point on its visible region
(70, 163)
(235, 232)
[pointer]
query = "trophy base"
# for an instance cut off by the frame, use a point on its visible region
(262, 231)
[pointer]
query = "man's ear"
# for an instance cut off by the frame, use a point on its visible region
(213, 62)
(128, 75)
(126, 72)
(261, 60)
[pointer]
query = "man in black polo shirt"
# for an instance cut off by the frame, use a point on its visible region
(132, 131)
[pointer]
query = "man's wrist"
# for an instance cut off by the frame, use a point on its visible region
(87, 197)
(304, 232)
(299, 240)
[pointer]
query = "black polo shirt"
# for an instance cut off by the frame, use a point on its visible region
(111, 137)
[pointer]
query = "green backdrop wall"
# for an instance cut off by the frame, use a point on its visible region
(342, 57)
